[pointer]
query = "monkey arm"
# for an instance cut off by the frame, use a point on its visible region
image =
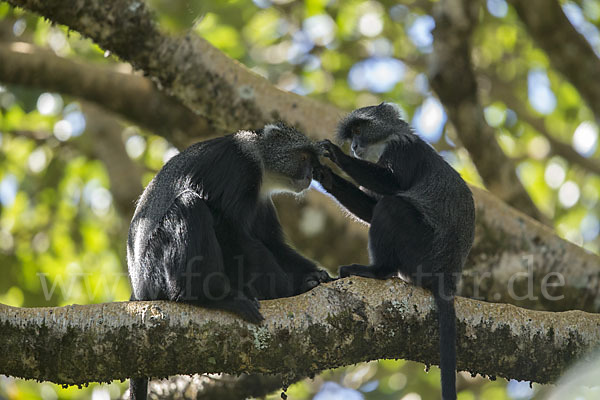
(374, 177)
(303, 273)
(357, 202)
(268, 229)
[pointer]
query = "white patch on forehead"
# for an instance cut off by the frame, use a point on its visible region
(245, 136)
(396, 108)
(248, 143)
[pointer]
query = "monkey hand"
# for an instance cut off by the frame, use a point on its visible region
(323, 175)
(313, 279)
(330, 150)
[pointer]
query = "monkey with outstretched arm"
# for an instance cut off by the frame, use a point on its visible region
(420, 211)
(205, 230)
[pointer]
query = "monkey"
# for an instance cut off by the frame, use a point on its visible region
(421, 212)
(205, 230)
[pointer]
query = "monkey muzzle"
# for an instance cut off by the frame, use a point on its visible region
(359, 152)
(301, 184)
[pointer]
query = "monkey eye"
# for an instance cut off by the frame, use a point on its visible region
(303, 156)
(355, 130)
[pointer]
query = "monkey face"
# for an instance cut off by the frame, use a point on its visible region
(295, 179)
(303, 161)
(371, 128)
(288, 157)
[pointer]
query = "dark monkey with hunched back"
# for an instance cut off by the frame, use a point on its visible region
(420, 210)
(205, 230)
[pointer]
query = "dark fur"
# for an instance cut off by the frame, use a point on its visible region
(204, 234)
(421, 213)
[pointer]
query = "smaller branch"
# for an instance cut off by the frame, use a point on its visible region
(569, 51)
(222, 387)
(133, 97)
(506, 93)
(106, 145)
(38, 136)
(452, 77)
(225, 93)
(341, 323)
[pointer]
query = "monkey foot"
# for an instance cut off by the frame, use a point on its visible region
(365, 271)
(247, 308)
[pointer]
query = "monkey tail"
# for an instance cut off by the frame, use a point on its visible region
(447, 321)
(138, 388)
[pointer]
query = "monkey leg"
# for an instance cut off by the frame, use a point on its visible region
(399, 241)
(366, 271)
(193, 263)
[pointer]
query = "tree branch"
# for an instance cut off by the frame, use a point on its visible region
(568, 51)
(505, 91)
(220, 387)
(517, 260)
(107, 146)
(341, 323)
(452, 77)
(228, 95)
(134, 97)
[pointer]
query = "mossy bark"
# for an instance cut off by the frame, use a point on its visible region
(341, 323)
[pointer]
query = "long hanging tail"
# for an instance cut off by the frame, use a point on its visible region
(447, 318)
(138, 389)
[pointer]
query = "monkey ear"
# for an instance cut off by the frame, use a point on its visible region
(395, 107)
(270, 129)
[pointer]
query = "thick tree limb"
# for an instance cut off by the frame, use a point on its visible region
(134, 97)
(569, 52)
(341, 323)
(452, 77)
(205, 79)
(519, 261)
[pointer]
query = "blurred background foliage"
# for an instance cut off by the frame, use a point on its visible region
(62, 239)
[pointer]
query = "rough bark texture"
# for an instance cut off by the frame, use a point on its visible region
(188, 67)
(569, 52)
(452, 77)
(514, 253)
(134, 97)
(341, 323)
